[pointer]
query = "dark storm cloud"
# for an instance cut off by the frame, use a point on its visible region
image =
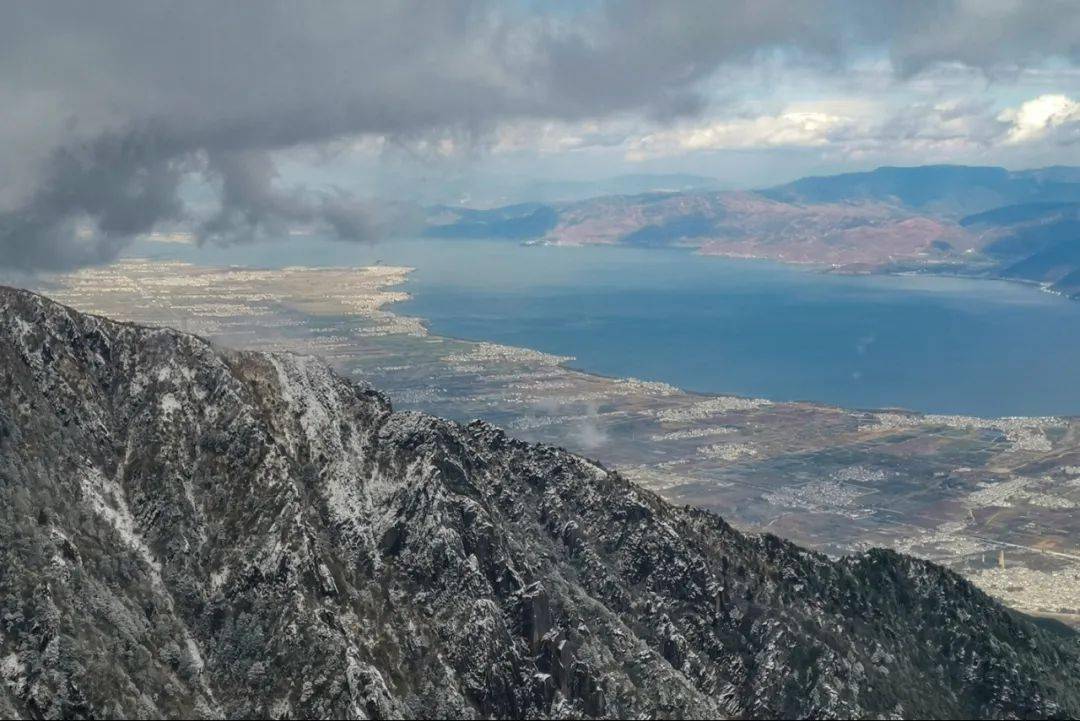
(996, 36)
(251, 205)
(127, 183)
(254, 207)
(109, 104)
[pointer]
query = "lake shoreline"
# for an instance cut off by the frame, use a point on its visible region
(750, 328)
(569, 366)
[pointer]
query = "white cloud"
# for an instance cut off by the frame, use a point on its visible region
(553, 137)
(792, 128)
(965, 127)
(1036, 118)
(174, 237)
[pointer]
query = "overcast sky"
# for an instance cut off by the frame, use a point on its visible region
(242, 120)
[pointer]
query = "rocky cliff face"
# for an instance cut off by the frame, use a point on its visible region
(187, 531)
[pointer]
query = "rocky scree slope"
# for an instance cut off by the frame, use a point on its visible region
(192, 532)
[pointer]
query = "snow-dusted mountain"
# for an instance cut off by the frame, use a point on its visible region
(189, 531)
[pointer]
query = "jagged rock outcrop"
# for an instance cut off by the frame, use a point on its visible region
(189, 531)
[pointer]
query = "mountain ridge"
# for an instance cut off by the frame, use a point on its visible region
(966, 189)
(188, 530)
(981, 221)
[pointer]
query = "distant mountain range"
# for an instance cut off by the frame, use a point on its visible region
(939, 189)
(191, 532)
(976, 220)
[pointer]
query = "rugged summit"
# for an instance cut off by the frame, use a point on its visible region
(189, 531)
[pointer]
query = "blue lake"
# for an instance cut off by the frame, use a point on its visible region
(732, 326)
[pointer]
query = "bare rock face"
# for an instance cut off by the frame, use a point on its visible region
(192, 532)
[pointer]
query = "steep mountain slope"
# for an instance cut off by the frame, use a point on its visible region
(1038, 242)
(191, 531)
